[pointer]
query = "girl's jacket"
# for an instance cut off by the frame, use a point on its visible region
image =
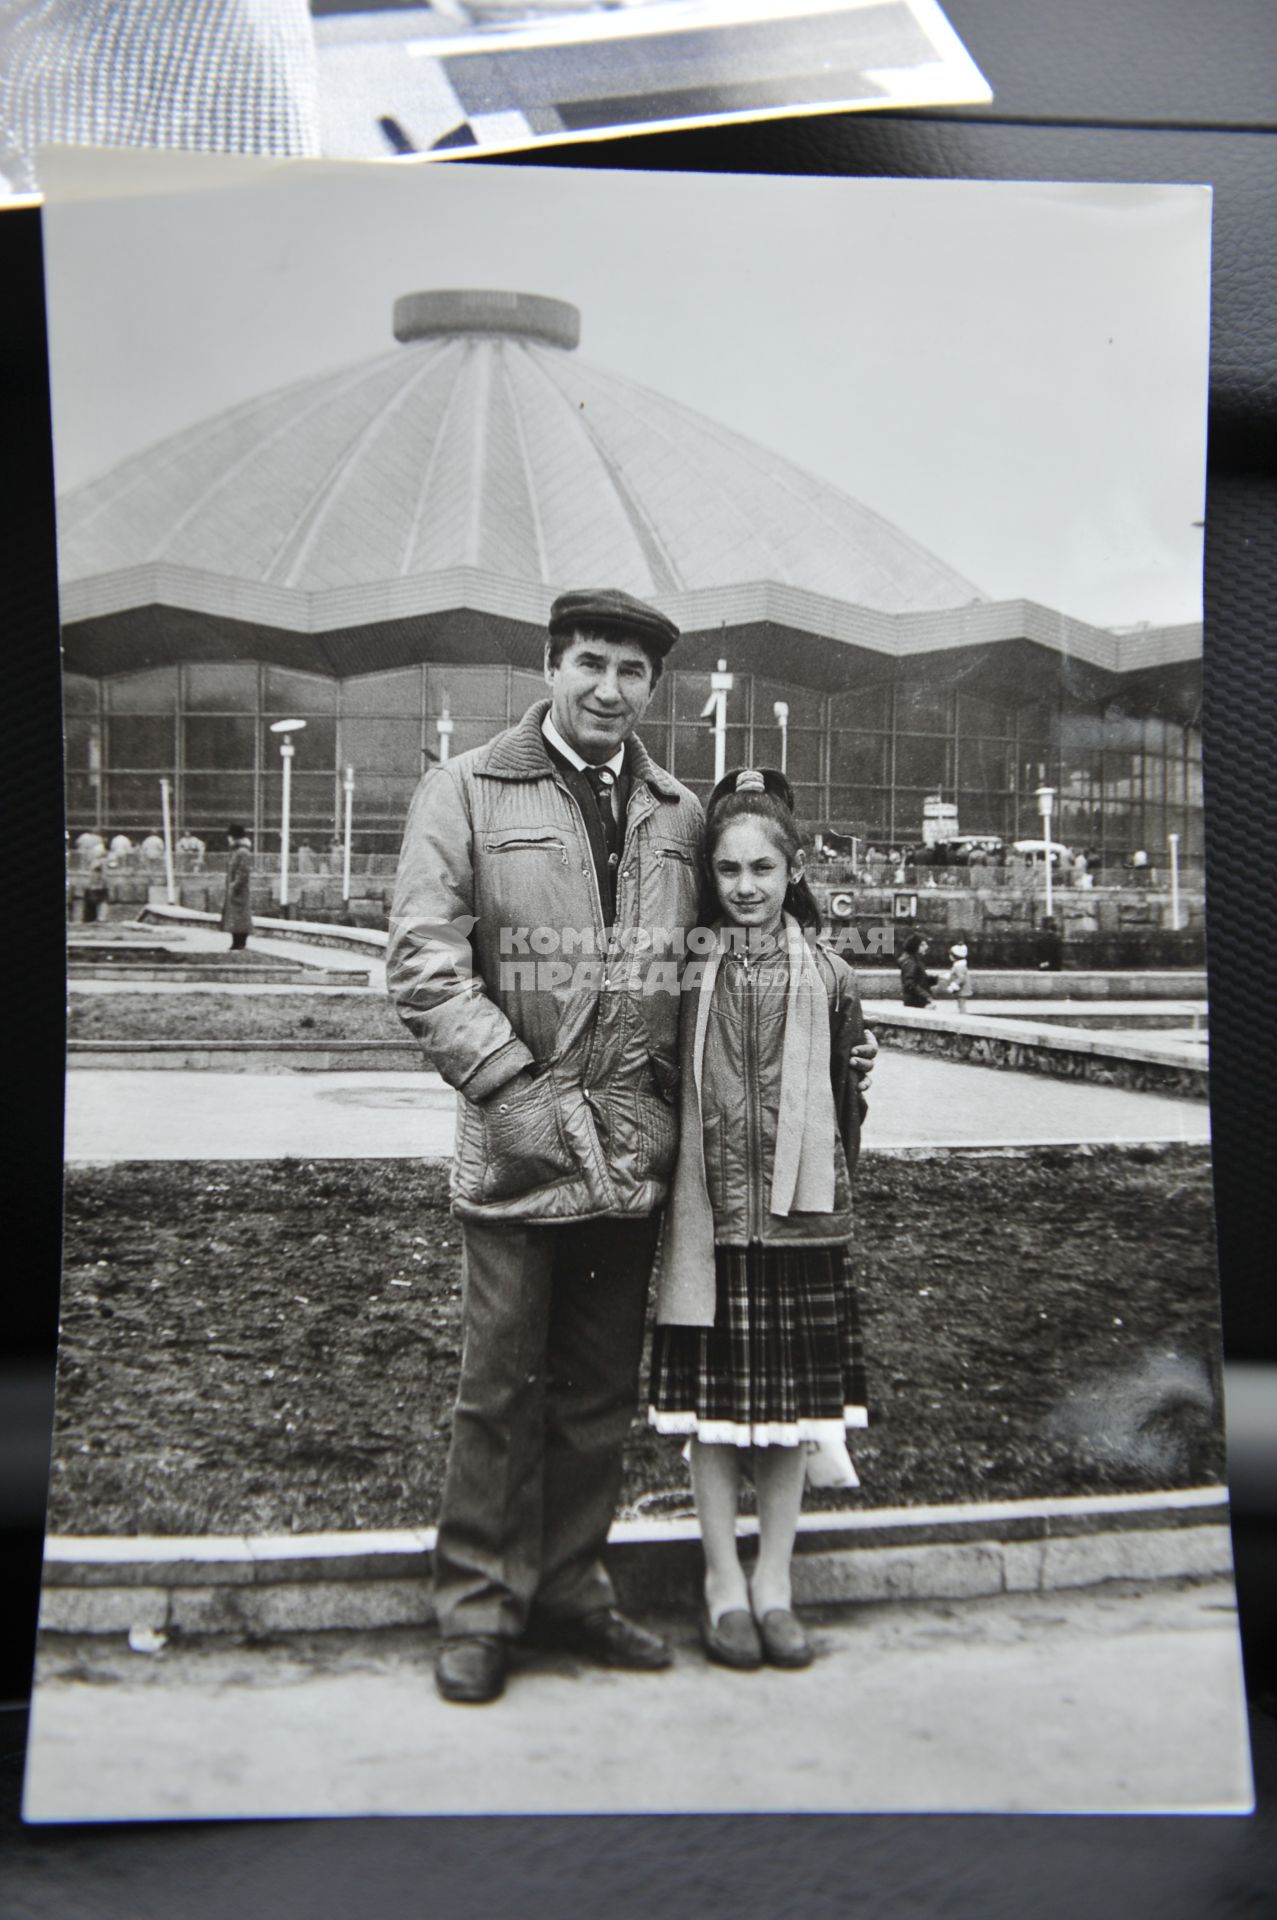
(736, 1116)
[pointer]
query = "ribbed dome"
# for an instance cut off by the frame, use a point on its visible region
(484, 442)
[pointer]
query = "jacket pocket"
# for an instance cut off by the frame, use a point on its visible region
(676, 852)
(524, 1142)
(657, 1135)
(528, 840)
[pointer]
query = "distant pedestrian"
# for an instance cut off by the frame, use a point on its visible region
(237, 916)
(96, 888)
(152, 850)
(958, 985)
(1049, 947)
(192, 850)
(915, 982)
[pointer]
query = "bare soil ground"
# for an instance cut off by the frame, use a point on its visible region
(267, 1347)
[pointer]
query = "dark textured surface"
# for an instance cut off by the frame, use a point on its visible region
(1076, 81)
(1136, 63)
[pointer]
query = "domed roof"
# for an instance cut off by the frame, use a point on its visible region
(483, 442)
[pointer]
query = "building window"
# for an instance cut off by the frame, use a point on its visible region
(924, 762)
(314, 747)
(143, 692)
(693, 755)
(924, 707)
(381, 746)
(390, 693)
(220, 740)
(859, 759)
(230, 688)
(865, 708)
(299, 693)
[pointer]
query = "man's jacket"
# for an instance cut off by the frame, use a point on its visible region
(497, 963)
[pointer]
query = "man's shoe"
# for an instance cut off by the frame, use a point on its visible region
(606, 1636)
(471, 1670)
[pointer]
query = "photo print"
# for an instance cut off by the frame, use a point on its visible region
(378, 79)
(389, 1037)
(496, 75)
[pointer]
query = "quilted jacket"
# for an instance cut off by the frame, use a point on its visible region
(740, 1099)
(498, 962)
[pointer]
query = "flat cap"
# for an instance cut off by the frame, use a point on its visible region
(614, 616)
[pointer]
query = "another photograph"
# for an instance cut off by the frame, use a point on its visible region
(496, 75)
(380, 79)
(638, 1193)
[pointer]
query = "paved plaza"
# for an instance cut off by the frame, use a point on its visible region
(915, 1101)
(1120, 1699)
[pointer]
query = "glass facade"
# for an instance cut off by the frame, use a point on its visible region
(861, 761)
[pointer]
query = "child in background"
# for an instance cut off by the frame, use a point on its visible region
(757, 1343)
(958, 986)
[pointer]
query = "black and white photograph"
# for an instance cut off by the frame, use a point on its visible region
(639, 1232)
(379, 80)
(498, 75)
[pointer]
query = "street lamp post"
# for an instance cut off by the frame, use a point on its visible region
(781, 711)
(285, 729)
(721, 684)
(443, 727)
(1046, 804)
(1174, 842)
(348, 789)
(170, 880)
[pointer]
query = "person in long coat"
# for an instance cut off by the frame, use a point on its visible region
(237, 916)
(915, 982)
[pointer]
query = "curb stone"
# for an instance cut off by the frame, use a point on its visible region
(255, 1587)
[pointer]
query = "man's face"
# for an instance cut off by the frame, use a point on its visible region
(598, 694)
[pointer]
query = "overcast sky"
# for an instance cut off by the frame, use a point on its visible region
(1015, 375)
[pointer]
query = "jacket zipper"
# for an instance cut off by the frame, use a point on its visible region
(749, 1036)
(589, 864)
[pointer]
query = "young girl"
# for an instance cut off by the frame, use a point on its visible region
(958, 986)
(757, 1344)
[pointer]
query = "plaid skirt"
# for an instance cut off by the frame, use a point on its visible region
(782, 1363)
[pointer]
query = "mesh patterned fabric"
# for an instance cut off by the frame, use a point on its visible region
(219, 76)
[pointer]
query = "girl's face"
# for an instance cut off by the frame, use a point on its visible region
(751, 874)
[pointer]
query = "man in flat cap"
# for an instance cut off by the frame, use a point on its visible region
(529, 865)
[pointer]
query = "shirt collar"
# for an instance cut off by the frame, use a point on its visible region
(571, 755)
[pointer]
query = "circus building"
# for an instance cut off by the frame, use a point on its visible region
(375, 552)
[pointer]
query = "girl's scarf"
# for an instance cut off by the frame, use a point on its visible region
(806, 1133)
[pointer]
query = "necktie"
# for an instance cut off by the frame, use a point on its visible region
(602, 784)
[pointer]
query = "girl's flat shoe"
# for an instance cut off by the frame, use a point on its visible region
(784, 1643)
(732, 1640)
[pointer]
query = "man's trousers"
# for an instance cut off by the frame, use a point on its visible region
(553, 1320)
